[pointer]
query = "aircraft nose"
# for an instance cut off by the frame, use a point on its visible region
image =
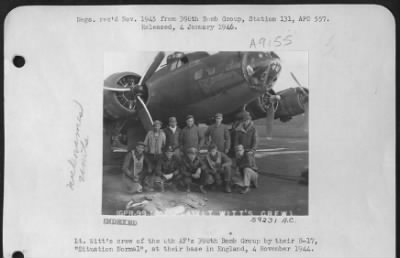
(273, 73)
(262, 70)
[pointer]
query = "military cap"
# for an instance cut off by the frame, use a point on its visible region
(239, 146)
(172, 119)
(140, 143)
(246, 115)
(157, 122)
(212, 146)
(218, 115)
(191, 150)
(169, 149)
(189, 116)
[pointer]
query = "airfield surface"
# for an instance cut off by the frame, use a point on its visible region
(280, 166)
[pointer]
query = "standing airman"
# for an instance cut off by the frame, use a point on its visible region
(218, 134)
(172, 134)
(190, 136)
(246, 135)
(154, 144)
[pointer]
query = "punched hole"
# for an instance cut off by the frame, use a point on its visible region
(19, 61)
(18, 254)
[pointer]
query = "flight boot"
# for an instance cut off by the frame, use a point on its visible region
(228, 188)
(245, 190)
(202, 190)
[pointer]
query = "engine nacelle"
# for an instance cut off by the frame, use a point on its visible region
(291, 104)
(121, 104)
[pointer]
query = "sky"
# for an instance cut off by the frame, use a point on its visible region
(138, 62)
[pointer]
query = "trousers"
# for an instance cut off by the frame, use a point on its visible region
(223, 174)
(203, 180)
(249, 176)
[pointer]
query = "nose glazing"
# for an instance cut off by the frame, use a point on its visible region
(262, 70)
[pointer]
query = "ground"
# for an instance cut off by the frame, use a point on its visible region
(279, 189)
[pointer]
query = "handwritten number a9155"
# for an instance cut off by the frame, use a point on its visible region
(278, 41)
(285, 41)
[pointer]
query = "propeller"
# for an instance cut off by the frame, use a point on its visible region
(152, 68)
(144, 115)
(304, 98)
(117, 89)
(273, 101)
(303, 89)
(135, 90)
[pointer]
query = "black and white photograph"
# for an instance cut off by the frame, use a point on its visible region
(213, 133)
(188, 131)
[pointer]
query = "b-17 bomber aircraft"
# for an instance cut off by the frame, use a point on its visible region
(200, 84)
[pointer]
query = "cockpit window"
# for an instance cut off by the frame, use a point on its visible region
(176, 60)
(175, 65)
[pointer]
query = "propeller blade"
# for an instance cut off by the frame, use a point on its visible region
(303, 89)
(269, 120)
(153, 67)
(131, 104)
(303, 99)
(295, 79)
(117, 89)
(144, 115)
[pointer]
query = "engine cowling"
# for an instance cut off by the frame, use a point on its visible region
(121, 104)
(291, 103)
